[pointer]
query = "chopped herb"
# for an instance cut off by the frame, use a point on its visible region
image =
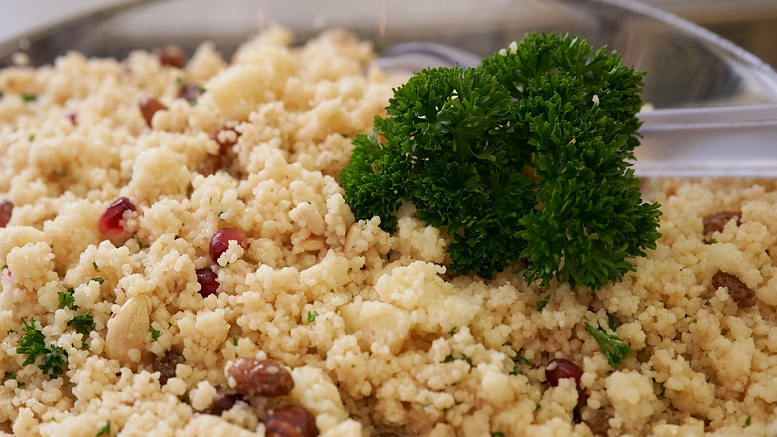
(518, 358)
(66, 299)
(63, 174)
(33, 344)
(694, 320)
(98, 280)
(234, 341)
(542, 303)
(202, 89)
(140, 243)
(105, 430)
(179, 80)
(12, 375)
(453, 331)
(83, 324)
(450, 358)
(344, 135)
(155, 334)
(712, 241)
(611, 322)
(748, 422)
(312, 316)
(95, 267)
(497, 434)
(28, 98)
(455, 142)
(537, 407)
(31, 138)
(612, 346)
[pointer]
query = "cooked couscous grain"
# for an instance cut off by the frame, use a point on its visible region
(367, 332)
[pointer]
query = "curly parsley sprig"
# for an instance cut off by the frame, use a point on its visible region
(53, 359)
(525, 156)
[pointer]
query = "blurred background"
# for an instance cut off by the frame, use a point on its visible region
(751, 24)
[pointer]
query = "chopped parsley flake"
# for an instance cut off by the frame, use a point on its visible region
(83, 324)
(66, 299)
(612, 346)
(105, 430)
(31, 138)
(543, 302)
(33, 344)
(748, 422)
(155, 334)
(98, 280)
(29, 98)
(12, 375)
(95, 267)
(312, 316)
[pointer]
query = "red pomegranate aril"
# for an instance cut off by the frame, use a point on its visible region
(73, 117)
(560, 368)
(110, 222)
(220, 241)
(6, 209)
(208, 280)
(148, 107)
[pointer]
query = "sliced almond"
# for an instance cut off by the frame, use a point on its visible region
(127, 331)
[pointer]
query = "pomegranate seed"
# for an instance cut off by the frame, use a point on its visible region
(171, 56)
(208, 280)
(148, 107)
(220, 241)
(110, 222)
(226, 137)
(6, 208)
(72, 117)
(560, 368)
(190, 92)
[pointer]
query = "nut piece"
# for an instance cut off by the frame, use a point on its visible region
(127, 331)
(250, 376)
(291, 421)
(743, 295)
(308, 217)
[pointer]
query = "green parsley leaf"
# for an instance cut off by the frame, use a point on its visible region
(455, 143)
(611, 345)
(66, 299)
(312, 316)
(83, 324)
(31, 138)
(98, 280)
(105, 430)
(234, 341)
(611, 322)
(497, 434)
(542, 303)
(29, 98)
(155, 334)
(712, 241)
(748, 422)
(33, 344)
(63, 174)
(12, 375)
(95, 266)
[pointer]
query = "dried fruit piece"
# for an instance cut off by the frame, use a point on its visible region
(171, 56)
(743, 295)
(190, 92)
(717, 221)
(219, 243)
(224, 401)
(208, 280)
(291, 421)
(6, 209)
(560, 368)
(148, 107)
(251, 376)
(226, 136)
(599, 422)
(166, 365)
(110, 222)
(127, 331)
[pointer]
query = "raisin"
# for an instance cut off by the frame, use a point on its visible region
(209, 165)
(224, 401)
(260, 377)
(148, 107)
(166, 365)
(226, 137)
(190, 92)
(743, 295)
(599, 422)
(171, 56)
(717, 221)
(6, 209)
(291, 421)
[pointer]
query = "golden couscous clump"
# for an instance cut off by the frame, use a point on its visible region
(178, 259)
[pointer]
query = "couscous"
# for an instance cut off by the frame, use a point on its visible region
(178, 260)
